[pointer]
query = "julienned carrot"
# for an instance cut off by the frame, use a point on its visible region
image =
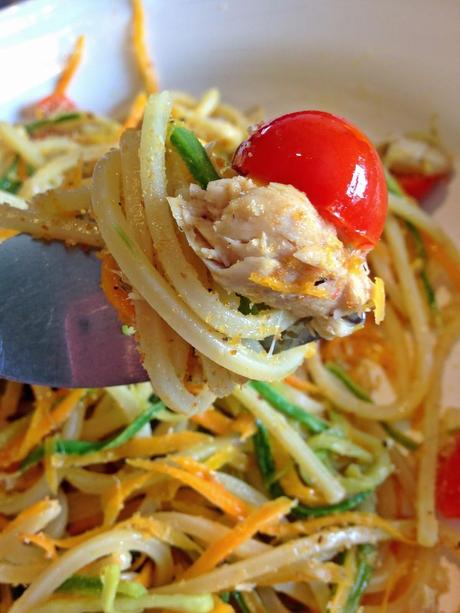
(222, 607)
(114, 500)
(5, 233)
(160, 444)
(115, 292)
(136, 111)
(42, 423)
(227, 455)
(146, 575)
(295, 488)
(70, 67)
(301, 384)
(214, 421)
(140, 48)
(41, 540)
(245, 424)
(39, 507)
(49, 421)
(222, 548)
(201, 479)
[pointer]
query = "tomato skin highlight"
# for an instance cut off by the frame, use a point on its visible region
(448, 483)
(331, 161)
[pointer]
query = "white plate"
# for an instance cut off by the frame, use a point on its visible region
(388, 65)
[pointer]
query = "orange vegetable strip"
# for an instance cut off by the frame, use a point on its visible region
(39, 427)
(200, 478)
(49, 421)
(70, 67)
(115, 499)
(140, 48)
(136, 111)
(222, 607)
(35, 509)
(301, 384)
(5, 234)
(146, 575)
(222, 548)
(214, 421)
(41, 540)
(114, 291)
(245, 424)
(140, 447)
(295, 488)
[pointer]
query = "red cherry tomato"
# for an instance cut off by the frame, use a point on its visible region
(328, 159)
(418, 185)
(53, 104)
(448, 483)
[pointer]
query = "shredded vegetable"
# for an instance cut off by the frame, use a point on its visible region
(194, 155)
(313, 423)
(82, 447)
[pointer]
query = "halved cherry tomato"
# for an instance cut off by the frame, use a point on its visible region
(448, 483)
(417, 185)
(328, 159)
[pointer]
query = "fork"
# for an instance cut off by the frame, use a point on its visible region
(56, 326)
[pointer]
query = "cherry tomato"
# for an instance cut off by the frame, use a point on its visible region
(448, 483)
(328, 159)
(53, 104)
(418, 185)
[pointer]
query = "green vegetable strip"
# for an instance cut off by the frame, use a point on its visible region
(393, 185)
(354, 388)
(81, 583)
(366, 560)
(429, 291)
(265, 460)
(418, 240)
(266, 466)
(302, 511)
(7, 182)
(400, 437)
(133, 589)
(314, 424)
(194, 155)
(245, 305)
(239, 599)
(421, 252)
(51, 121)
(394, 188)
(134, 426)
(88, 583)
(82, 447)
(250, 308)
(225, 597)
